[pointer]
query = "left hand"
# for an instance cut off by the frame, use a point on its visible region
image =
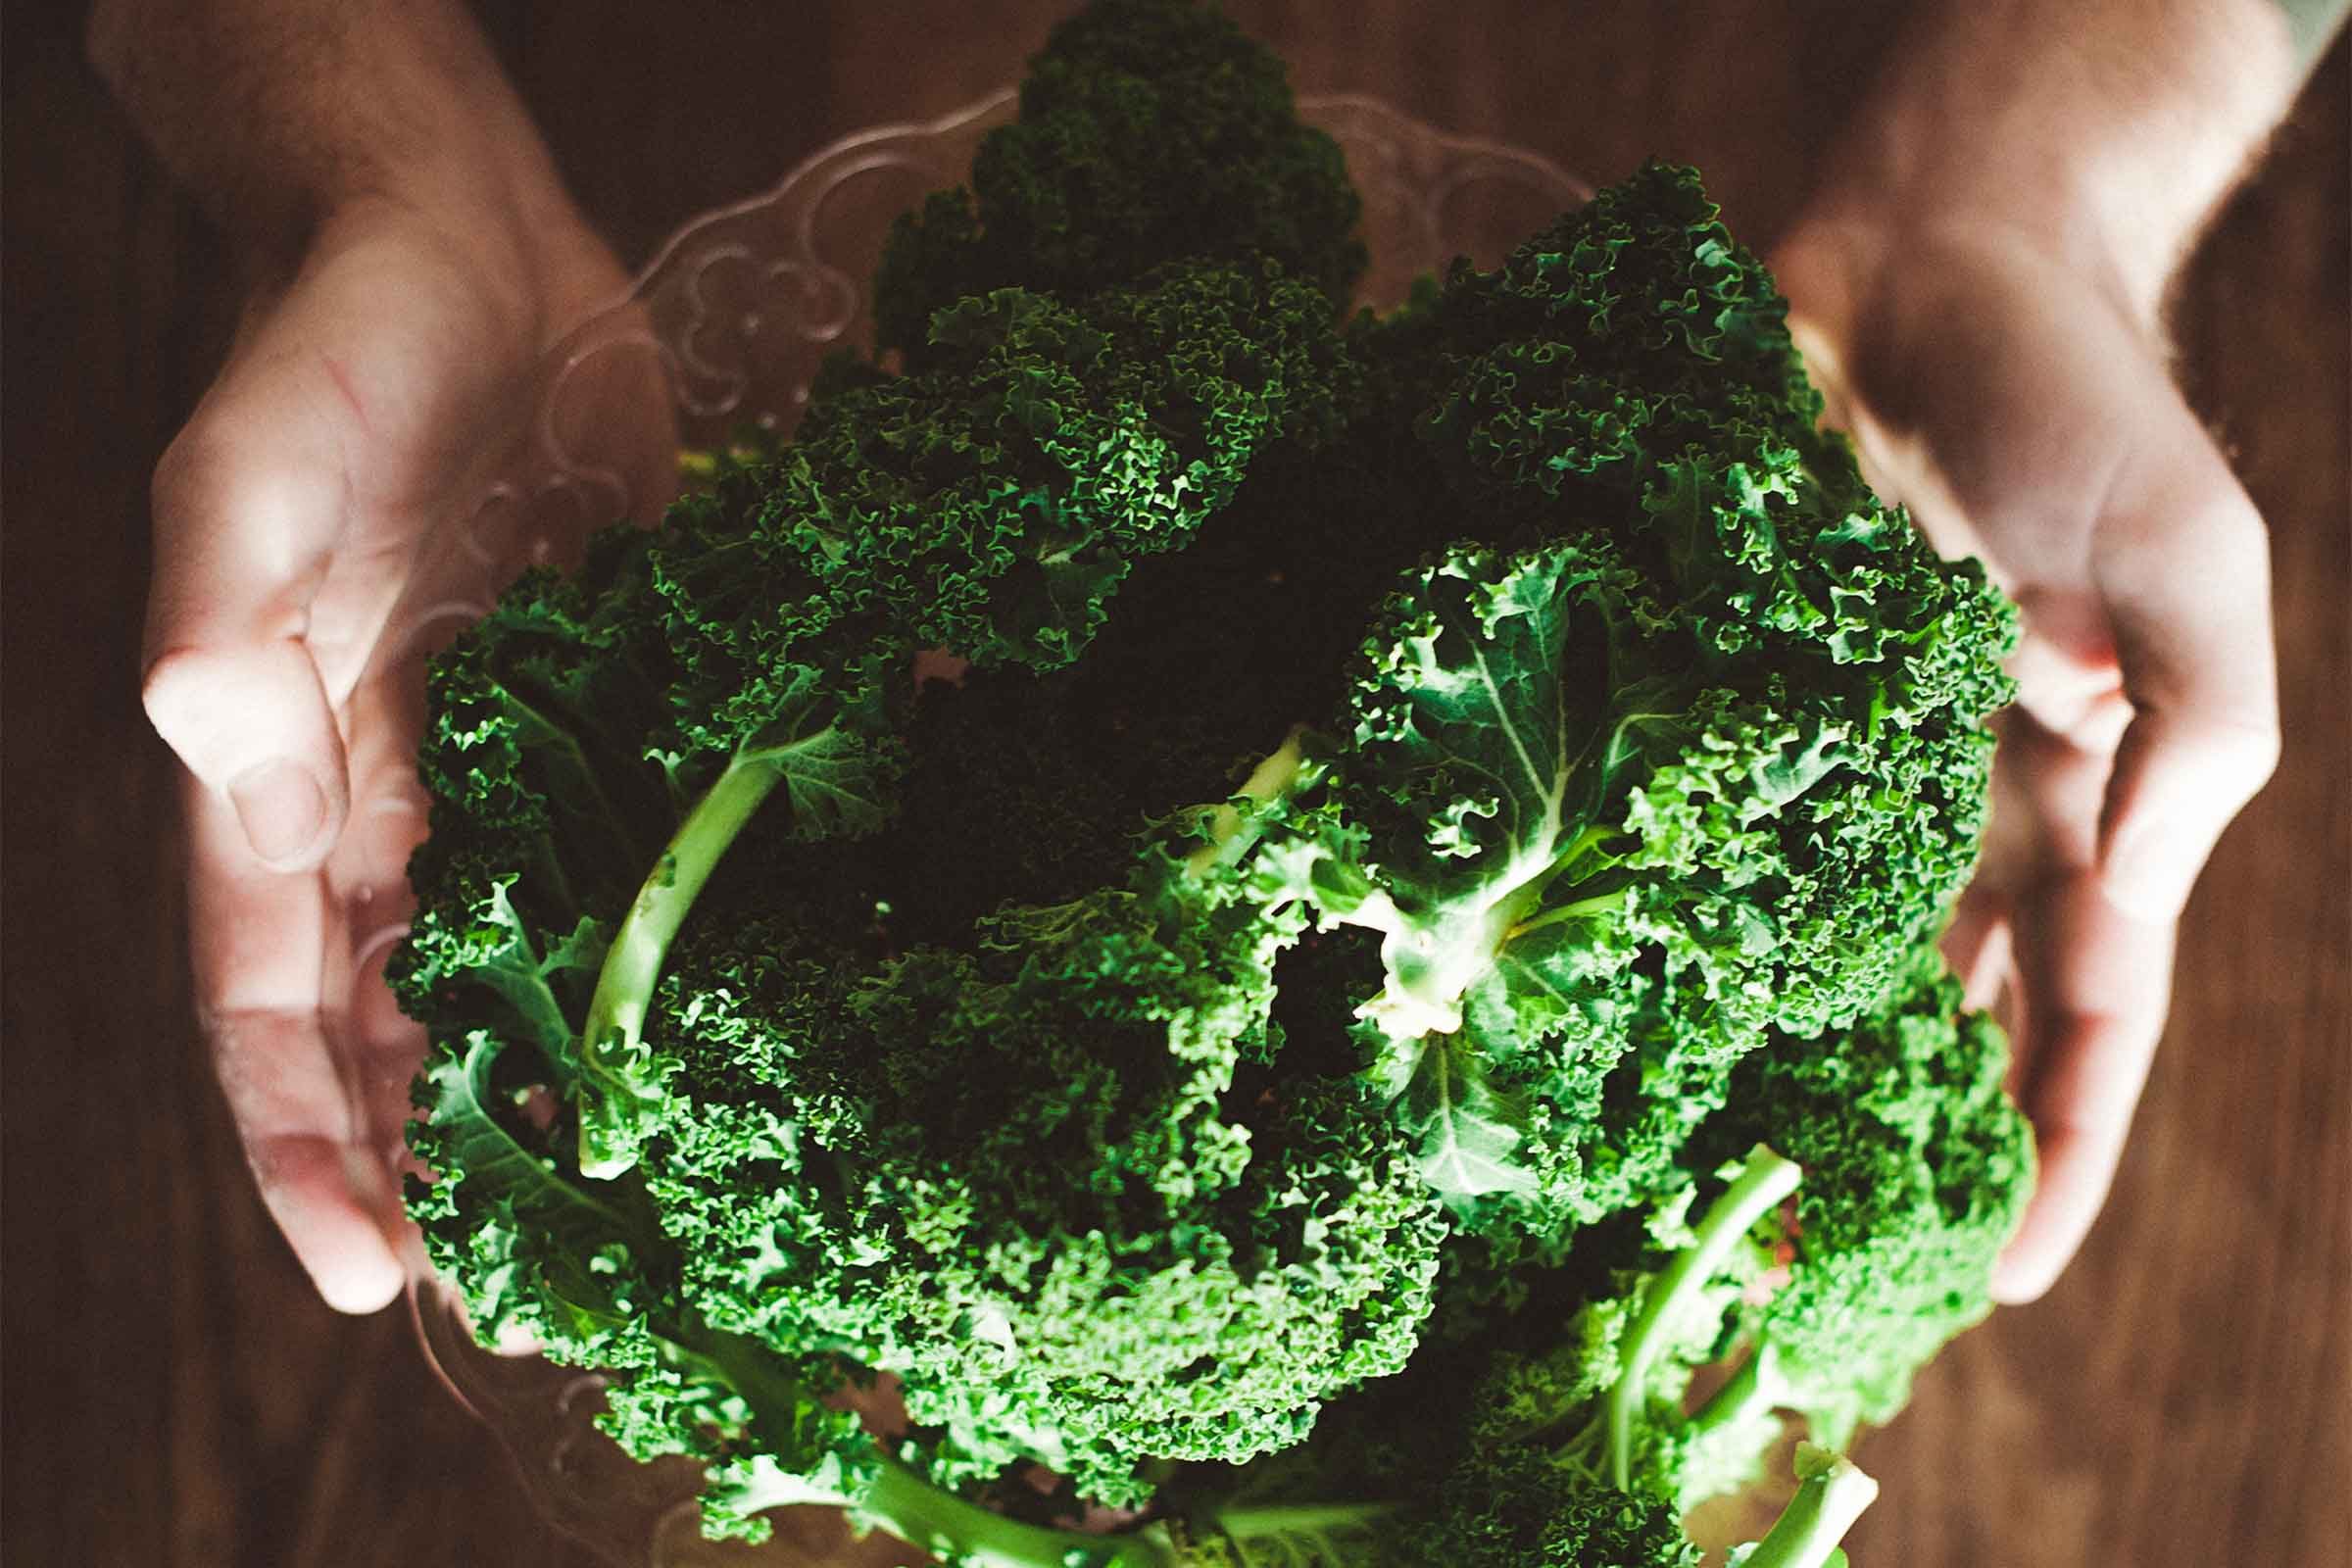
(309, 498)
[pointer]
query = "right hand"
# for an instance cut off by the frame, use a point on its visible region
(366, 390)
(2020, 406)
(1977, 280)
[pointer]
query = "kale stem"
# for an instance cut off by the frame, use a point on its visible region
(1566, 911)
(939, 1522)
(625, 988)
(1299, 1518)
(1763, 1181)
(1806, 1534)
(1751, 1391)
(1229, 835)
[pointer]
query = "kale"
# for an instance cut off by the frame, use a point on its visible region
(1146, 130)
(1421, 806)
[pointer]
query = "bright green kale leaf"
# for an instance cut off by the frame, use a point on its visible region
(1918, 1167)
(1575, 845)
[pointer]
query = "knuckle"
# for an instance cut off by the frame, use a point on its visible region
(172, 691)
(2258, 750)
(188, 473)
(2238, 754)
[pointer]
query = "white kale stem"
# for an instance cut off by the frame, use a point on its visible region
(1764, 1180)
(1230, 833)
(1833, 1497)
(625, 987)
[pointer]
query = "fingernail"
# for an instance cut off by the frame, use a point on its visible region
(2143, 875)
(281, 808)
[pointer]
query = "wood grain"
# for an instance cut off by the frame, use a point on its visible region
(174, 1395)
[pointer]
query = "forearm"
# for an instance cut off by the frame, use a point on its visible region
(2112, 128)
(278, 112)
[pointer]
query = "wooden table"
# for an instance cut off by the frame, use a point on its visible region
(174, 1394)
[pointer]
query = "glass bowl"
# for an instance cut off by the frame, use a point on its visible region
(734, 316)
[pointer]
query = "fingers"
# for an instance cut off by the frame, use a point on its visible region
(368, 878)
(257, 937)
(2087, 991)
(249, 504)
(2024, 417)
(2095, 983)
(1976, 946)
(337, 1209)
(2183, 564)
(2148, 717)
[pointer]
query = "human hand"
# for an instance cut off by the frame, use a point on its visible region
(306, 498)
(414, 257)
(2006, 384)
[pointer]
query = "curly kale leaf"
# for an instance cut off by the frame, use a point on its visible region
(761, 643)
(547, 803)
(583, 1271)
(1918, 1167)
(1543, 1440)
(1619, 784)
(1017, 1178)
(990, 505)
(1149, 130)
(1578, 841)
(1629, 372)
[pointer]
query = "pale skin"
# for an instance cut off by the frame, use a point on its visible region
(1976, 281)
(412, 255)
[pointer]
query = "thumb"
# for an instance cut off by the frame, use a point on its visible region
(2182, 565)
(250, 502)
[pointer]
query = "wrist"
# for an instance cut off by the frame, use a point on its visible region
(282, 116)
(2100, 134)
(451, 142)
(517, 231)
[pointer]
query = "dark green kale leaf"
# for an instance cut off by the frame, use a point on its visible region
(1149, 129)
(990, 505)
(1015, 1178)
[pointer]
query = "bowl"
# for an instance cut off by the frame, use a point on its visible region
(734, 316)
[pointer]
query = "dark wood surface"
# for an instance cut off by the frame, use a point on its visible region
(174, 1394)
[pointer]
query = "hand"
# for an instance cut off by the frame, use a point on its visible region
(354, 418)
(2003, 384)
